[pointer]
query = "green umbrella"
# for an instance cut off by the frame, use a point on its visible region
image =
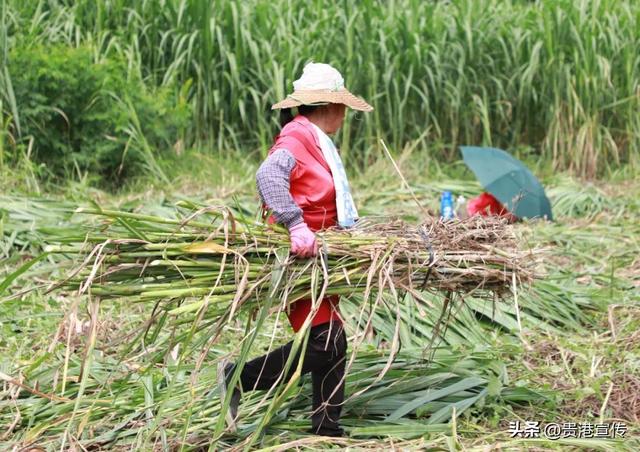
(506, 178)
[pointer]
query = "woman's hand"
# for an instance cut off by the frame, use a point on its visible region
(303, 240)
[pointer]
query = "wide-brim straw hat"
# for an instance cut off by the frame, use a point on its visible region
(321, 84)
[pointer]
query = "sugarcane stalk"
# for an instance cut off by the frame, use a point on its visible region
(214, 265)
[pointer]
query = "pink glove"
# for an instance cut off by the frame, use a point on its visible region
(303, 240)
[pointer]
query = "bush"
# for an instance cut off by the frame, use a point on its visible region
(88, 116)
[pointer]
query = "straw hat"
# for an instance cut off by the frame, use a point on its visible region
(321, 84)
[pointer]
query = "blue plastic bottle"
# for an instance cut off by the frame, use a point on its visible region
(446, 206)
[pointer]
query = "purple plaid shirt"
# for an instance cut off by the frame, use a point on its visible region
(273, 182)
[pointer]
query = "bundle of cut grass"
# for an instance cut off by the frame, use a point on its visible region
(209, 260)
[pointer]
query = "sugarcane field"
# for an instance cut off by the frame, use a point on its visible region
(302, 225)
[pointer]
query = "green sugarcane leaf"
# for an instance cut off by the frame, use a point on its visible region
(406, 430)
(6, 282)
(446, 412)
(430, 395)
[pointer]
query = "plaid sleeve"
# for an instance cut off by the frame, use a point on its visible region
(272, 180)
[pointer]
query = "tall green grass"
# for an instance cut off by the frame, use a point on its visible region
(559, 76)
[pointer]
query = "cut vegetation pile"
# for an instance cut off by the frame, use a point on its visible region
(426, 368)
(210, 261)
(204, 270)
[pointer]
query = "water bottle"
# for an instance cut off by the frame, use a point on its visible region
(446, 206)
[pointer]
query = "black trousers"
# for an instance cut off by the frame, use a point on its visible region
(325, 358)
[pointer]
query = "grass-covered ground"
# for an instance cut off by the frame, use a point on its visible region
(570, 352)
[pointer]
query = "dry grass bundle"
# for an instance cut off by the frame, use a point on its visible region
(209, 259)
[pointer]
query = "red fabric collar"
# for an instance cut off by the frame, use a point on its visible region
(304, 121)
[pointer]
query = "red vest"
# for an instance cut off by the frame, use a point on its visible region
(312, 188)
(311, 183)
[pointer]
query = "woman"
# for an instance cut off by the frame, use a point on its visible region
(304, 184)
